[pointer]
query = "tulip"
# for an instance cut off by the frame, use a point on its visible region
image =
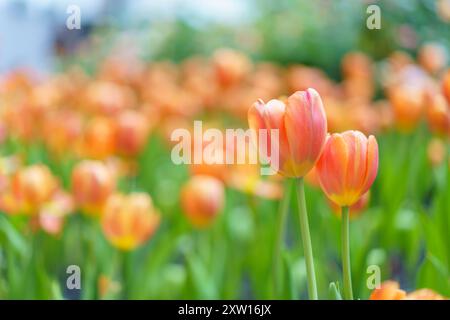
(424, 294)
(436, 152)
(92, 184)
(202, 199)
(53, 213)
(446, 85)
(432, 57)
(302, 129)
(32, 187)
(230, 67)
(348, 166)
(346, 169)
(131, 132)
(99, 138)
(438, 115)
(408, 104)
(129, 220)
(389, 290)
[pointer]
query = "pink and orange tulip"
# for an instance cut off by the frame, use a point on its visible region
(302, 128)
(129, 220)
(348, 166)
(92, 184)
(202, 199)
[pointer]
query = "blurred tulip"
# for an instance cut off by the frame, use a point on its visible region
(53, 213)
(446, 85)
(424, 294)
(92, 184)
(107, 286)
(246, 178)
(33, 186)
(408, 104)
(355, 209)
(438, 115)
(202, 199)
(432, 57)
(436, 152)
(61, 130)
(128, 221)
(108, 98)
(132, 132)
(302, 129)
(389, 290)
(348, 166)
(231, 66)
(99, 138)
(300, 78)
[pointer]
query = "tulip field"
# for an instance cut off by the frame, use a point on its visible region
(94, 203)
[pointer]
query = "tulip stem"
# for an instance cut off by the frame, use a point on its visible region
(282, 215)
(346, 268)
(306, 240)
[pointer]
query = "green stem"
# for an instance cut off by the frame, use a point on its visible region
(282, 215)
(306, 240)
(346, 269)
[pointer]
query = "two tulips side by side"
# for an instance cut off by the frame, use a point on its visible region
(346, 165)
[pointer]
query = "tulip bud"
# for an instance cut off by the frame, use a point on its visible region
(202, 199)
(33, 186)
(92, 184)
(302, 128)
(348, 166)
(129, 220)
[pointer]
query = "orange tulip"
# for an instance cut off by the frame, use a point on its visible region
(32, 187)
(302, 129)
(131, 132)
(432, 57)
(438, 115)
(389, 290)
(129, 220)
(348, 166)
(99, 138)
(202, 199)
(92, 184)
(408, 104)
(424, 294)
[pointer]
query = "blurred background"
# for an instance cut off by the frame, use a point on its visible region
(34, 33)
(86, 176)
